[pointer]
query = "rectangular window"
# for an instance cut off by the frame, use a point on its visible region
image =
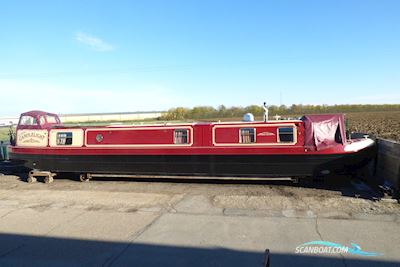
(247, 135)
(51, 119)
(64, 139)
(181, 136)
(28, 120)
(286, 135)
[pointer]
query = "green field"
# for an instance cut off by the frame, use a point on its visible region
(4, 134)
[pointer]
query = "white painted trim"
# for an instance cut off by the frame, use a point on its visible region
(234, 123)
(255, 126)
(140, 129)
(278, 139)
(256, 123)
(77, 137)
(358, 145)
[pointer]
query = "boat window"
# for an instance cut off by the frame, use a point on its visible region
(42, 120)
(28, 120)
(64, 138)
(51, 119)
(181, 136)
(247, 135)
(285, 134)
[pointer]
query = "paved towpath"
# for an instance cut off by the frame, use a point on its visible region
(142, 223)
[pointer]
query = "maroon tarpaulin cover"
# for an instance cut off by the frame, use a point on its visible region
(320, 130)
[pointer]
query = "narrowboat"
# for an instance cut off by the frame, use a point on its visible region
(312, 145)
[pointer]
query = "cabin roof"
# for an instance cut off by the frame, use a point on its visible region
(110, 113)
(233, 123)
(322, 117)
(255, 122)
(35, 113)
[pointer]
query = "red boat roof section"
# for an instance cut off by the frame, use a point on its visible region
(35, 113)
(324, 131)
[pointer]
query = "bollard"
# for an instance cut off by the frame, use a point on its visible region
(3, 151)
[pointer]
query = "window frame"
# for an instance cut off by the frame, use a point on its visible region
(52, 117)
(34, 120)
(186, 131)
(66, 138)
(279, 137)
(254, 135)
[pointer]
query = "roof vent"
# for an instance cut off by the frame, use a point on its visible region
(277, 117)
(248, 117)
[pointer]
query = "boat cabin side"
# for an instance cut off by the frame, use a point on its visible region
(42, 129)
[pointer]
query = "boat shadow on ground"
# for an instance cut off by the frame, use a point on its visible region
(348, 186)
(27, 250)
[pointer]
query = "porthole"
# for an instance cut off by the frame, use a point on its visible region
(99, 138)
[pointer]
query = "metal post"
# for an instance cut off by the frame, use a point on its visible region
(1, 151)
(265, 112)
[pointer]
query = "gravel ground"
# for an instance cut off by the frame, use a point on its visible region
(336, 197)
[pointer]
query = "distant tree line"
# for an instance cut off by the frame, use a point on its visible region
(207, 112)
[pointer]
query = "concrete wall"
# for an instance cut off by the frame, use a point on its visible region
(110, 116)
(388, 162)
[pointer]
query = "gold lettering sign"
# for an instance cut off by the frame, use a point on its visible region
(36, 138)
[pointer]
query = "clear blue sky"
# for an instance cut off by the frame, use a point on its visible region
(102, 56)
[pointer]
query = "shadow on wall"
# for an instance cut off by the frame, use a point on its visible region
(24, 250)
